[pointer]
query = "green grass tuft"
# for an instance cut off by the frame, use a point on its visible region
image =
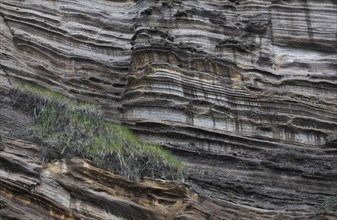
(42, 93)
(76, 129)
(39, 91)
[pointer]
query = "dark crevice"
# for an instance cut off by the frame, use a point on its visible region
(6, 23)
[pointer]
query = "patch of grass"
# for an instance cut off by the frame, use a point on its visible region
(330, 205)
(327, 207)
(107, 144)
(75, 129)
(39, 92)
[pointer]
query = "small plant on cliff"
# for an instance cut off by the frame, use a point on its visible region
(72, 129)
(330, 205)
(33, 96)
(326, 208)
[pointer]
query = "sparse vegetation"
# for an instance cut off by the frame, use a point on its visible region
(32, 94)
(78, 129)
(330, 205)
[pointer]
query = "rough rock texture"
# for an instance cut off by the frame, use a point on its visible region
(73, 189)
(244, 91)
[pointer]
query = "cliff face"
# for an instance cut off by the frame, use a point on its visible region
(243, 91)
(74, 189)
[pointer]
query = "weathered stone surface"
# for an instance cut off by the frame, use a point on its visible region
(331, 140)
(74, 189)
(243, 91)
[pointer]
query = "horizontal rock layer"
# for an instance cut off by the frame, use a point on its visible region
(243, 91)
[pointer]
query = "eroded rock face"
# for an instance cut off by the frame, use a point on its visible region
(243, 91)
(74, 189)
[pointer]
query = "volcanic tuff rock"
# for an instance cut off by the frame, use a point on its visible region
(244, 91)
(74, 189)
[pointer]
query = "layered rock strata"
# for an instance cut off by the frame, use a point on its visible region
(74, 189)
(244, 92)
